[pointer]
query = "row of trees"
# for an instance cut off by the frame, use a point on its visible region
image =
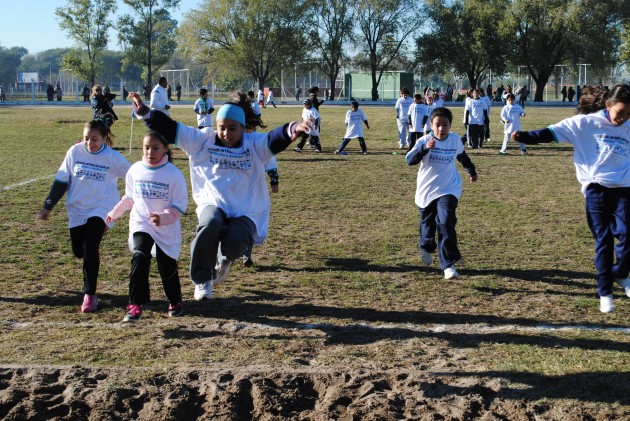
(256, 39)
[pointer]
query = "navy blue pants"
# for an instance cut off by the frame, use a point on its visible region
(347, 140)
(608, 213)
(440, 216)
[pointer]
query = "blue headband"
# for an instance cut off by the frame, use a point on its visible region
(232, 112)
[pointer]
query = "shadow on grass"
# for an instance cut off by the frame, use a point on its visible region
(552, 277)
(67, 298)
(605, 387)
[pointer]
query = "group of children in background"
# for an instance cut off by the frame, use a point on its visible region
(228, 166)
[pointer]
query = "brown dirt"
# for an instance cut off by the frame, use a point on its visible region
(265, 393)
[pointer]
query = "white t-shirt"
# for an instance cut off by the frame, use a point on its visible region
(601, 151)
(269, 96)
(92, 180)
(153, 189)
(430, 108)
(438, 175)
(512, 114)
(354, 123)
(402, 107)
(476, 108)
(232, 179)
(311, 114)
(256, 108)
(261, 96)
(417, 113)
(204, 120)
(159, 99)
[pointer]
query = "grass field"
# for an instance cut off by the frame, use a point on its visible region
(339, 318)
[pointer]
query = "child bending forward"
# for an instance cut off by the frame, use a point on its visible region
(439, 187)
(228, 183)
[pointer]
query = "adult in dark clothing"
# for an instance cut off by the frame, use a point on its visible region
(563, 92)
(178, 92)
(146, 92)
(571, 93)
(125, 93)
(169, 92)
(86, 93)
(50, 92)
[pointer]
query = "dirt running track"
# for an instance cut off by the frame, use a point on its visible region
(55, 393)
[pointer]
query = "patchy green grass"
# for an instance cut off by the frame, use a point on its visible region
(339, 281)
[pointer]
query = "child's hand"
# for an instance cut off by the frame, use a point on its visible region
(275, 189)
(473, 178)
(507, 121)
(301, 129)
(514, 136)
(109, 219)
(431, 143)
(155, 218)
(43, 214)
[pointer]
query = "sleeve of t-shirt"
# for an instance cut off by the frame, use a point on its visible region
(197, 108)
(129, 184)
(121, 165)
(347, 121)
(190, 139)
(65, 170)
(180, 192)
(565, 130)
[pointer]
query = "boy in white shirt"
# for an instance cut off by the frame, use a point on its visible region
(311, 116)
(417, 118)
(270, 99)
(511, 116)
(439, 187)
(476, 115)
(402, 108)
(204, 108)
(354, 127)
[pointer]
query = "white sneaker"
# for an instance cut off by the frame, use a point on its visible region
(203, 291)
(606, 304)
(450, 273)
(427, 258)
(222, 270)
(625, 284)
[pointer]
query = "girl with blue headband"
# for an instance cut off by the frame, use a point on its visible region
(228, 183)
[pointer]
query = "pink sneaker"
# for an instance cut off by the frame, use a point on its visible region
(90, 303)
(133, 313)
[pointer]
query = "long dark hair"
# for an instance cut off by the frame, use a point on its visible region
(152, 134)
(102, 127)
(594, 98)
(252, 120)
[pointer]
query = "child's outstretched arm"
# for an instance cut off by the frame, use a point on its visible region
(57, 190)
(464, 159)
(281, 137)
(534, 137)
(155, 120)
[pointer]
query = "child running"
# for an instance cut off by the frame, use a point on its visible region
(600, 136)
(89, 174)
(157, 196)
(476, 116)
(417, 118)
(354, 128)
(228, 183)
(511, 115)
(439, 187)
(310, 117)
(402, 109)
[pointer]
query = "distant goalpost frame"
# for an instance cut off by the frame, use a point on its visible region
(181, 76)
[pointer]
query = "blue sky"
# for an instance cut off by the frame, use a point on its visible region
(34, 25)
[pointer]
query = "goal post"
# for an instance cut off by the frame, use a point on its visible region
(181, 76)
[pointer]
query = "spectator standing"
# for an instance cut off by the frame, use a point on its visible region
(178, 91)
(86, 93)
(563, 92)
(160, 97)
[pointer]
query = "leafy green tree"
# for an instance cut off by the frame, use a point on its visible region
(332, 31)
(256, 38)
(471, 37)
(10, 60)
(550, 33)
(87, 23)
(148, 38)
(384, 27)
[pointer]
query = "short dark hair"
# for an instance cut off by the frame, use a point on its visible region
(418, 97)
(354, 104)
(203, 91)
(442, 112)
(510, 96)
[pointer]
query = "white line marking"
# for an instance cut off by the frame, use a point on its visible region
(244, 327)
(22, 183)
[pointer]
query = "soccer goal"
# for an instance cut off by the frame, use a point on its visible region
(181, 76)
